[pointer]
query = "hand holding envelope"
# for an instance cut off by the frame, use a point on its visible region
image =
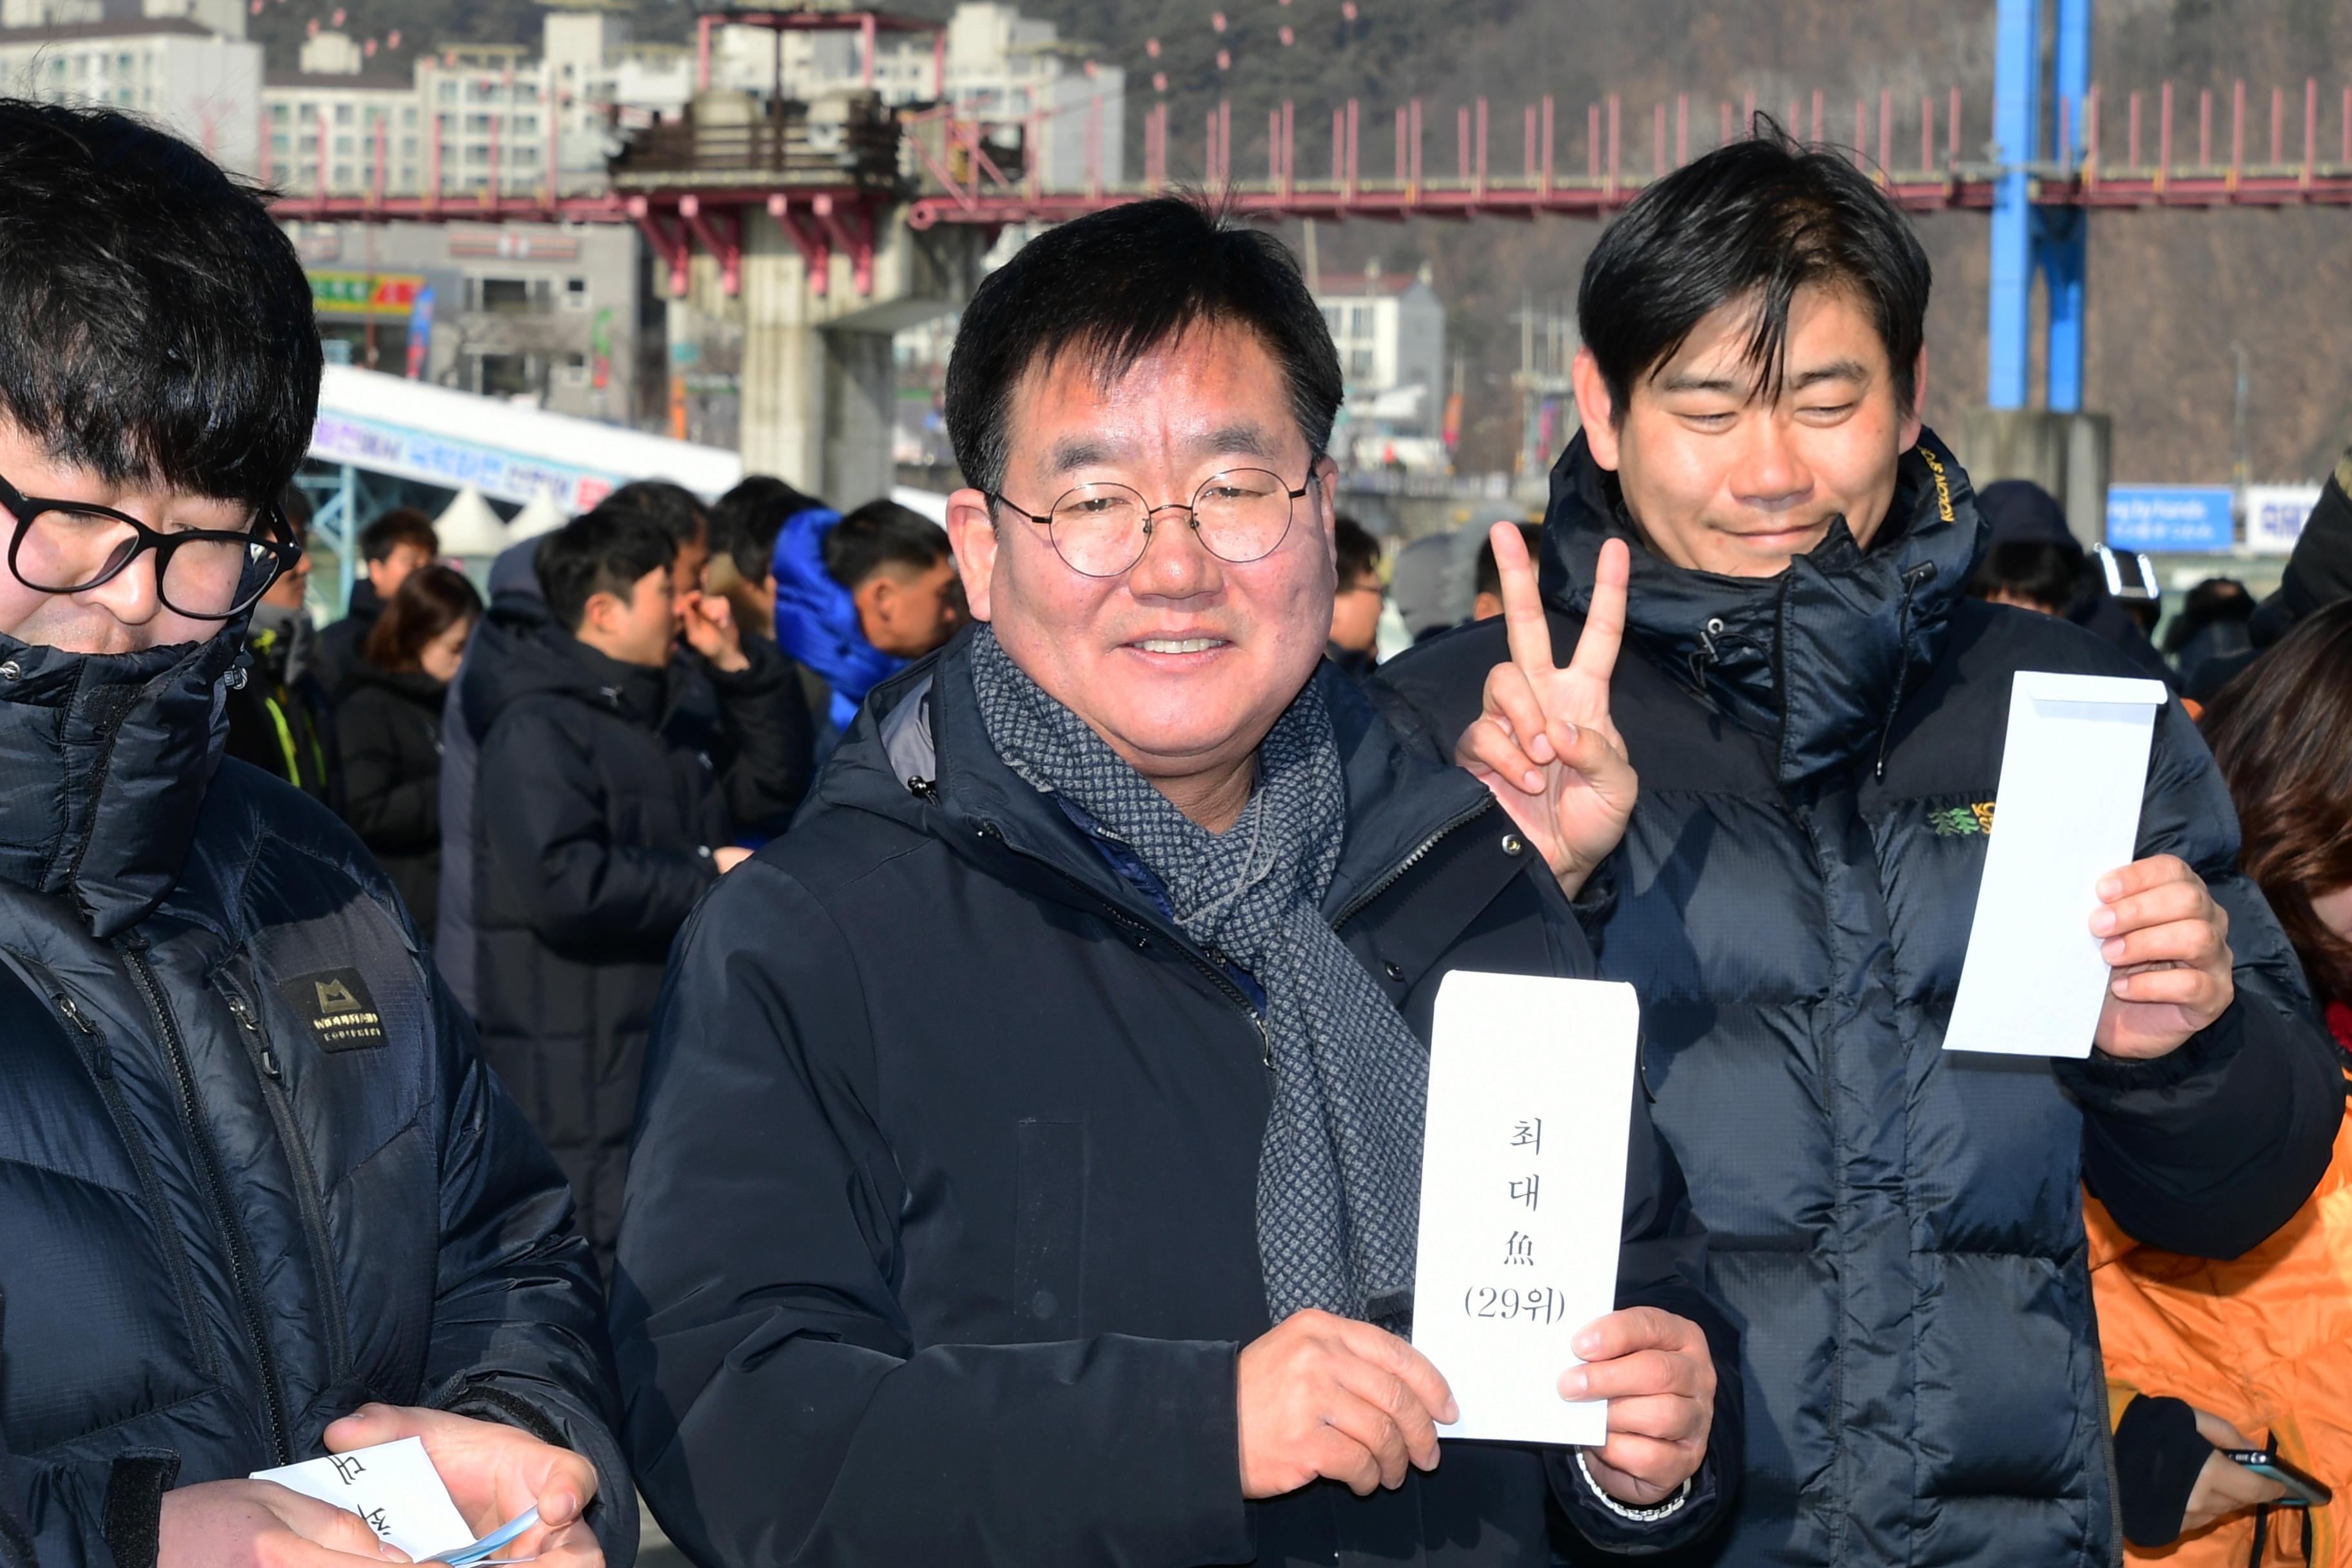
(2066, 950)
(495, 1474)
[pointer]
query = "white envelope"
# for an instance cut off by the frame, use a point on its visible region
(1522, 1195)
(393, 1488)
(2072, 774)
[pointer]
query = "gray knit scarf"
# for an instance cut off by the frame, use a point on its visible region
(1339, 1182)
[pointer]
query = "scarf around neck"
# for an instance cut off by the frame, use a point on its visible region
(1339, 1168)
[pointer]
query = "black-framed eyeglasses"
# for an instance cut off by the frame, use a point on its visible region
(205, 575)
(1102, 530)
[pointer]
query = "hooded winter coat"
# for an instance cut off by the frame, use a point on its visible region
(817, 624)
(1898, 1231)
(601, 790)
(252, 1173)
(942, 1239)
(388, 741)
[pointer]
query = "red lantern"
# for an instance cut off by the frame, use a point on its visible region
(368, 48)
(1349, 10)
(392, 40)
(1159, 82)
(311, 31)
(1217, 20)
(339, 17)
(1151, 47)
(1224, 60)
(1288, 37)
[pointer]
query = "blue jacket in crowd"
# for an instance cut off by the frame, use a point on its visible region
(252, 1173)
(816, 620)
(940, 1240)
(1898, 1231)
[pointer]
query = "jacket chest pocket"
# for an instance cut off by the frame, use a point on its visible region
(1049, 1227)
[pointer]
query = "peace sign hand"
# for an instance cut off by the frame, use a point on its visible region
(1543, 742)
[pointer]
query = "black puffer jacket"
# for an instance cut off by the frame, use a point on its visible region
(946, 1186)
(388, 738)
(601, 790)
(252, 1172)
(1899, 1231)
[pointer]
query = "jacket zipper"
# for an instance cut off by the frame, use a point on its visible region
(1357, 904)
(273, 1396)
(306, 1180)
(99, 1057)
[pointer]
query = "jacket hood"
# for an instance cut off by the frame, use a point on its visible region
(922, 734)
(1820, 657)
(816, 620)
(519, 652)
(104, 763)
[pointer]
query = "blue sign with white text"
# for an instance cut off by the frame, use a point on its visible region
(2169, 517)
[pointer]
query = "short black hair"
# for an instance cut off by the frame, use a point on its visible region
(1111, 286)
(158, 323)
(882, 533)
(1357, 554)
(1756, 220)
(607, 550)
(672, 508)
(400, 525)
(2038, 570)
(1488, 577)
(748, 518)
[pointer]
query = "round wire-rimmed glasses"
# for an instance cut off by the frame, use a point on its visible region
(1102, 530)
(203, 573)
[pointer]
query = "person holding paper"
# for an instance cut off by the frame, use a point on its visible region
(1028, 1162)
(260, 1199)
(1817, 712)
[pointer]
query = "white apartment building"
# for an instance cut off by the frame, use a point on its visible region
(1389, 331)
(204, 84)
(333, 121)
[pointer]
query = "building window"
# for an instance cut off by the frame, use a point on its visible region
(1359, 362)
(342, 114)
(279, 115)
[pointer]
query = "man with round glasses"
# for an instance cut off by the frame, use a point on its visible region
(259, 1200)
(1028, 1159)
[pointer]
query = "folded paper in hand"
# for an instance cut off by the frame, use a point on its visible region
(397, 1493)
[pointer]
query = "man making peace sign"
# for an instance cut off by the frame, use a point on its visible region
(1817, 710)
(1028, 1167)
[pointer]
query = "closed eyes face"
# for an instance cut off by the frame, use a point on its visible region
(1722, 479)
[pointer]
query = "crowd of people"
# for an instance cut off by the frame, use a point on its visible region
(908, 1044)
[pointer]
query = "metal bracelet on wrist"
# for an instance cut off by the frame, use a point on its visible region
(1650, 1515)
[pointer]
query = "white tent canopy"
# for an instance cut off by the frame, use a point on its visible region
(469, 529)
(541, 516)
(414, 430)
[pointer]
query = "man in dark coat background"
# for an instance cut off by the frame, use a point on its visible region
(1008, 1188)
(260, 1198)
(400, 541)
(612, 771)
(1817, 712)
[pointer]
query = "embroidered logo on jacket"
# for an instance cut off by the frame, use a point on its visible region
(1962, 821)
(336, 1005)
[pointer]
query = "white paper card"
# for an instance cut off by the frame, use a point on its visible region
(2072, 778)
(392, 1487)
(1522, 1195)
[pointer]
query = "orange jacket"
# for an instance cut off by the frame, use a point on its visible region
(2263, 1342)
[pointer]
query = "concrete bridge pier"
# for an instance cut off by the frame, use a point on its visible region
(818, 389)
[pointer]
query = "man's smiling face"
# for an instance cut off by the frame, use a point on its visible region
(1719, 479)
(1183, 663)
